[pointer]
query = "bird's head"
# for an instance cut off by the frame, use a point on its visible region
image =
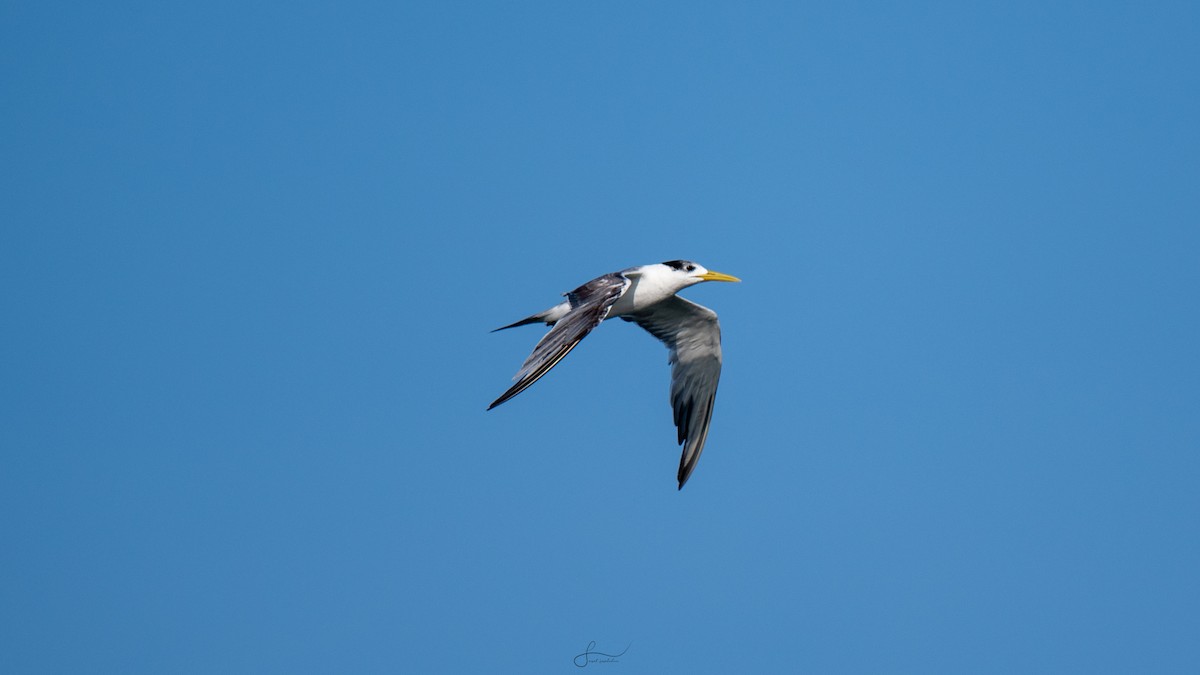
(689, 273)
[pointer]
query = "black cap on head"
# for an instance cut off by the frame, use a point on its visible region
(680, 264)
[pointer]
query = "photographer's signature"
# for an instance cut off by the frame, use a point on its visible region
(590, 655)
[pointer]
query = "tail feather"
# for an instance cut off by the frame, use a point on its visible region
(523, 322)
(548, 317)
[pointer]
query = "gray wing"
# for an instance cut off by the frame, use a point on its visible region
(693, 335)
(590, 304)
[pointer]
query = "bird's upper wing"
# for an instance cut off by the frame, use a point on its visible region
(693, 335)
(590, 304)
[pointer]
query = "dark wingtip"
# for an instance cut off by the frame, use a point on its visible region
(685, 472)
(505, 397)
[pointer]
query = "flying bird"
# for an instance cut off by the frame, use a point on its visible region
(646, 296)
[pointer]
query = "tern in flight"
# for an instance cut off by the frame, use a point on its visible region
(646, 296)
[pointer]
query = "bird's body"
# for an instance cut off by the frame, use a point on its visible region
(646, 296)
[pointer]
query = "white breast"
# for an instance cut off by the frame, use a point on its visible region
(650, 286)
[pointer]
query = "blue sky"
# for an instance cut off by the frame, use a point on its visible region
(251, 254)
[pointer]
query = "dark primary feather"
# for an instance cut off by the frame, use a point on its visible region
(590, 304)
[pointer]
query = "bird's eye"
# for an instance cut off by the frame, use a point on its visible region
(691, 268)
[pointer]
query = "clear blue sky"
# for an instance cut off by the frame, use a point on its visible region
(251, 253)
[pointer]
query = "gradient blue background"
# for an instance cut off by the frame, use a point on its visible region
(251, 253)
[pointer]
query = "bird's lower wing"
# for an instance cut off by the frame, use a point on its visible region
(693, 335)
(590, 304)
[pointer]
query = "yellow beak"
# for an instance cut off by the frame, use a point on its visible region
(717, 276)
